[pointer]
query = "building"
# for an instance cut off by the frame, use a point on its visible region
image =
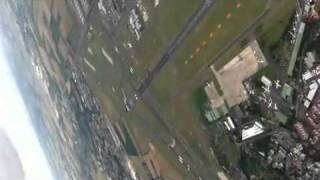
(229, 124)
(135, 22)
(296, 49)
(266, 81)
(287, 92)
(213, 114)
(307, 75)
(216, 107)
(301, 131)
(251, 131)
(313, 88)
(310, 59)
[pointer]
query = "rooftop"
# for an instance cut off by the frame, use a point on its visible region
(287, 91)
(254, 130)
(296, 49)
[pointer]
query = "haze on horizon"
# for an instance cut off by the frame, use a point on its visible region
(15, 121)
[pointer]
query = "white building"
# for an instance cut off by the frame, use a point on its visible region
(310, 59)
(306, 103)
(266, 81)
(307, 75)
(251, 131)
(135, 23)
(313, 90)
(229, 124)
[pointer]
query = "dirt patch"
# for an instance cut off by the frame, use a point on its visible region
(240, 68)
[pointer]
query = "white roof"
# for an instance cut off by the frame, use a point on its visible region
(266, 81)
(250, 132)
(314, 85)
(313, 90)
(227, 126)
(230, 122)
(307, 75)
(311, 94)
(306, 103)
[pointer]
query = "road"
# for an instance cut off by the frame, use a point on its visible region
(184, 148)
(83, 38)
(166, 56)
(112, 167)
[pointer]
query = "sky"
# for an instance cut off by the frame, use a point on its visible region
(15, 121)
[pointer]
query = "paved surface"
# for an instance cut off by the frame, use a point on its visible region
(166, 56)
(83, 38)
(222, 52)
(102, 134)
(191, 158)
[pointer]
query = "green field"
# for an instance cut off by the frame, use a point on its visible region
(141, 121)
(176, 73)
(165, 22)
(170, 86)
(268, 32)
(174, 96)
(275, 25)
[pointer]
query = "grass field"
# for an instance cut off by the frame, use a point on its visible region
(165, 22)
(142, 123)
(144, 128)
(176, 73)
(275, 25)
(268, 32)
(168, 85)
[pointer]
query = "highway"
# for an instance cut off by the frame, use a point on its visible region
(166, 56)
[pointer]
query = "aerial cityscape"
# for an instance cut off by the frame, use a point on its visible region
(170, 89)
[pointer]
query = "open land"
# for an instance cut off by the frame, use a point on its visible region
(179, 110)
(166, 112)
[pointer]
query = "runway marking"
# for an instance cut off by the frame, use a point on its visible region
(90, 51)
(238, 5)
(107, 56)
(211, 34)
(229, 15)
(90, 65)
(204, 43)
